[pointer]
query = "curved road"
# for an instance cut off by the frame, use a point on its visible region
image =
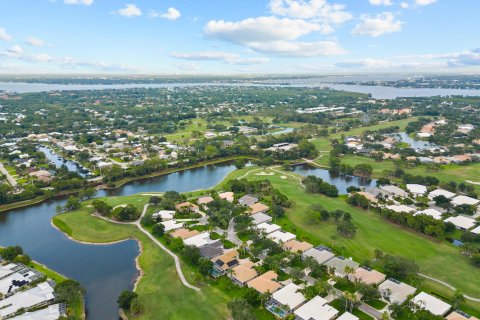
(10, 179)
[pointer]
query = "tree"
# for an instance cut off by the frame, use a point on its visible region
(458, 299)
(399, 267)
(363, 170)
(154, 200)
(72, 203)
(158, 230)
(125, 299)
(205, 266)
(369, 292)
(240, 163)
(10, 253)
(69, 291)
(191, 254)
(241, 310)
(136, 306)
(89, 193)
(347, 229)
(101, 207)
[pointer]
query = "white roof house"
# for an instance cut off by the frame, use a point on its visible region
(172, 225)
(16, 280)
(340, 264)
(459, 200)
(434, 305)
(401, 208)
(476, 230)
(268, 228)
(417, 189)
(394, 191)
(7, 269)
(321, 256)
(395, 291)
(199, 240)
(281, 236)
(462, 222)
(316, 309)
(289, 296)
(430, 212)
(164, 214)
(441, 192)
(347, 316)
(52, 312)
(42, 293)
(260, 217)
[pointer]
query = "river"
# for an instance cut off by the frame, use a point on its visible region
(378, 92)
(104, 270)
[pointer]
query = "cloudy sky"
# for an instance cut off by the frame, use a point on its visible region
(239, 36)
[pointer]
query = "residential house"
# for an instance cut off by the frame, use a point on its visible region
(229, 196)
(265, 282)
(285, 300)
(243, 273)
(260, 217)
(367, 276)
(280, 236)
(247, 200)
(320, 254)
(434, 213)
(52, 312)
(441, 192)
(458, 315)
(297, 246)
(258, 207)
(416, 189)
(340, 265)
(40, 295)
(199, 240)
(204, 200)
(211, 250)
(224, 262)
(394, 191)
(347, 316)
(164, 215)
(428, 302)
(394, 291)
(184, 233)
(316, 309)
(462, 222)
(461, 200)
(187, 206)
(268, 228)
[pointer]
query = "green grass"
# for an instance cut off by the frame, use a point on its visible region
(377, 304)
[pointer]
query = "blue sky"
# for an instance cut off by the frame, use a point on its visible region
(239, 36)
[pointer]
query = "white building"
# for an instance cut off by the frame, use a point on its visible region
(172, 225)
(430, 212)
(268, 228)
(428, 302)
(321, 256)
(260, 217)
(461, 222)
(281, 236)
(316, 309)
(461, 200)
(401, 208)
(289, 297)
(199, 240)
(416, 189)
(52, 312)
(441, 192)
(395, 291)
(164, 215)
(41, 294)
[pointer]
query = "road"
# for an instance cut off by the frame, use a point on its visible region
(231, 234)
(10, 179)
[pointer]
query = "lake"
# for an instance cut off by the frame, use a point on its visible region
(104, 270)
(59, 161)
(341, 181)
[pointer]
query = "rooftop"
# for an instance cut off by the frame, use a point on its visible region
(316, 309)
(368, 276)
(462, 222)
(321, 256)
(265, 282)
(295, 246)
(396, 291)
(432, 304)
(258, 207)
(288, 296)
(459, 200)
(268, 227)
(260, 217)
(281, 236)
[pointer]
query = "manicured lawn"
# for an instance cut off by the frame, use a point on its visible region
(377, 304)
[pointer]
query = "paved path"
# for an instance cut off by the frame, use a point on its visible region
(313, 163)
(231, 234)
(447, 285)
(158, 243)
(10, 179)
(472, 182)
(370, 310)
(288, 174)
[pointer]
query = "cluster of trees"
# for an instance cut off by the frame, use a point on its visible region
(126, 213)
(70, 292)
(343, 219)
(128, 300)
(363, 170)
(317, 185)
(14, 254)
(168, 200)
(358, 200)
(395, 266)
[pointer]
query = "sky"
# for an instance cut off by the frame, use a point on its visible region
(239, 36)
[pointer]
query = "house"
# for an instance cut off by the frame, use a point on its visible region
(224, 262)
(172, 225)
(258, 207)
(316, 309)
(393, 191)
(243, 273)
(461, 200)
(401, 208)
(416, 189)
(265, 282)
(17, 280)
(199, 240)
(347, 316)
(476, 230)
(184, 233)
(8, 269)
(285, 300)
(40, 295)
(428, 302)
(260, 217)
(164, 215)
(297, 246)
(268, 228)
(370, 197)
(441, 192)
(340, 264)
(204, 200)
(367, 276)
(229, 196)
(211, 250)
(458, 315)
(247, 200)
(434, 213)
(41, 175)
(187, 206)
(52, 312)
(210, 135)
(281, 236)
(462, 222)
(320, 254)
(465, 128)
(395, 291)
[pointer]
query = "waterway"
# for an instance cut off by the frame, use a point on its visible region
(341, 181)
(59, 161)
(104, 270)
(414, 143)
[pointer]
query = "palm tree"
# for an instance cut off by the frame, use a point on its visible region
(350, 300)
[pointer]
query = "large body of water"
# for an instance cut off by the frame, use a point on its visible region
(104, 270)
(379, 92)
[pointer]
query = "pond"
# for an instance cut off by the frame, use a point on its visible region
(104, 270)
(58, 161)
(414, 143)
(341, 181)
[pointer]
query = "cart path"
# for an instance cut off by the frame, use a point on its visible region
(447, 285)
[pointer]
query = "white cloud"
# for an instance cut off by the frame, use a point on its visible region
(381, 2)
(364, 63)
(15, 50)
(82, 2)
(300, 49)
(4, 35)
(424, 2)
(188, 66)
(130, 10)
(404, 5)
(227, 57)
(35, 42)
(320, 10)
(171, 14)
(377, 25)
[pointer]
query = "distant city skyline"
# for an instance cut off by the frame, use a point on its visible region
(239, 37)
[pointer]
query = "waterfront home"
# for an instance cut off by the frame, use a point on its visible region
(430, 303)
(441, 192)
(320, 254)
(265, 282)
(394, 191)
(316, 309)
(17, 280)
(461, 200)
(280, 236)
(434, 213)
(260, 217)
(370, 197)
(258, 207)
(268, 228)
(462, 222)
(42, 175)
(187, 206)
(243, 273)
(247, 200)
(52, 312)
(8, 269)
(458, 315)
(285, 300)
(394, 291)
(38, 296)
(229, 196)
(340, 264)
(416, 189)
(184, 233)
(367, 276)
(204, 200)
(297, 246)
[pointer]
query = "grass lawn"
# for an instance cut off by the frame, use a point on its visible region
(435, 258)
(377, 304)
(340, 306)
